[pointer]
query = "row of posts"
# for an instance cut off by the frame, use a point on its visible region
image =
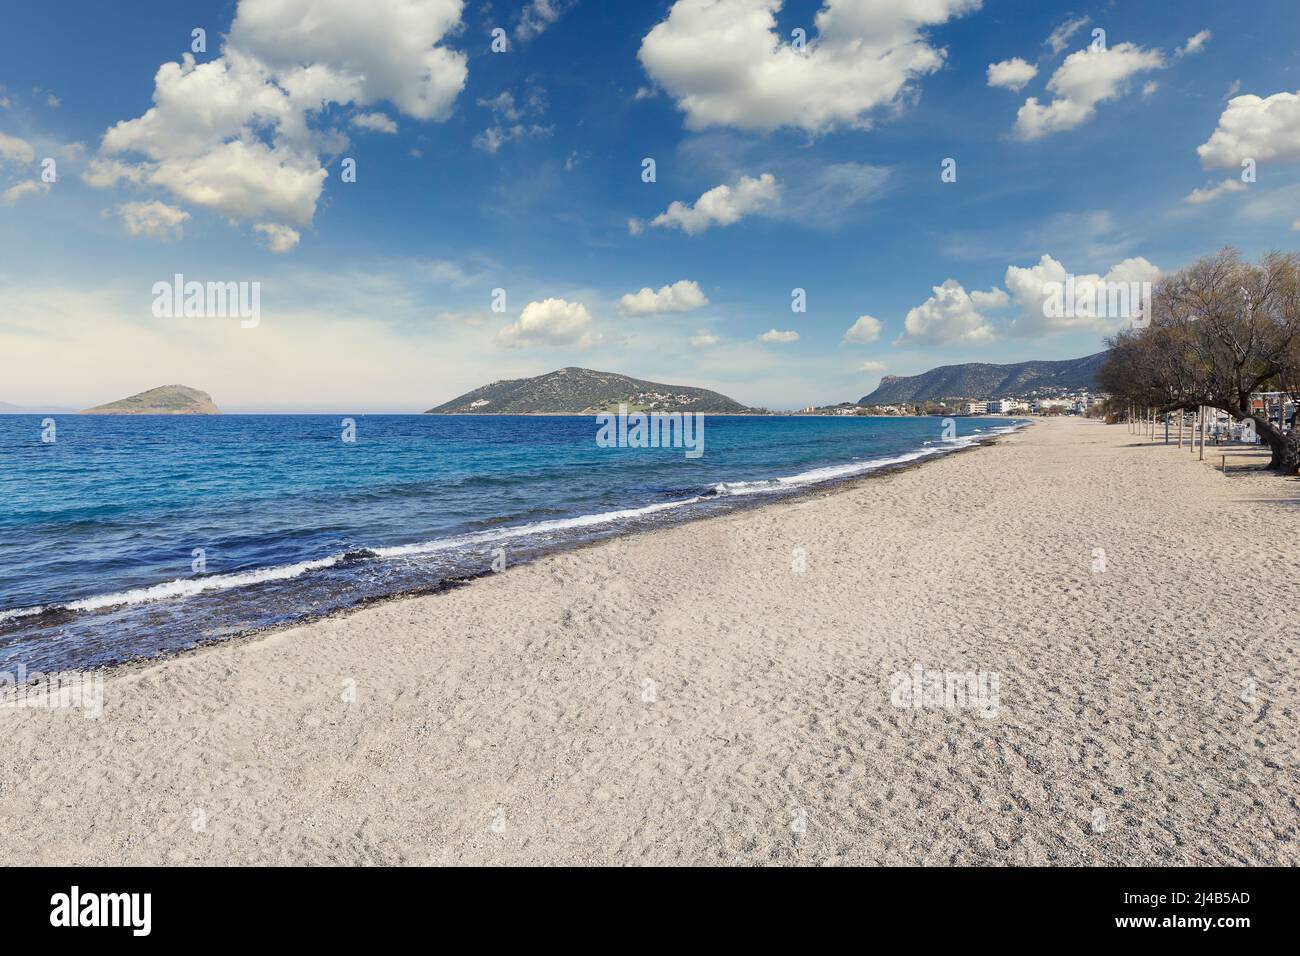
(1143, 421)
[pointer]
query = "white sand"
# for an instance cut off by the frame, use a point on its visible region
(519, 700)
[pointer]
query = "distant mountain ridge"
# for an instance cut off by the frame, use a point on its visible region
(164, 400)
(978, 380)
(584, 391)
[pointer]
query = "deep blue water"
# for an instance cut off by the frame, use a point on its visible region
(98, 530)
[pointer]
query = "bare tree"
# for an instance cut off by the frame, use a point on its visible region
(1222, 329)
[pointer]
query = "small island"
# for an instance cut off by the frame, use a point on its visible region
(164, 400)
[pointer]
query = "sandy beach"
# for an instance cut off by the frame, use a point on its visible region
(720, 692)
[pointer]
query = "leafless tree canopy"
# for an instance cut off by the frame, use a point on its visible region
(1221, 330)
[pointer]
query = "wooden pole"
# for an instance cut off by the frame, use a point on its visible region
(1203, 417)
(1181, 415)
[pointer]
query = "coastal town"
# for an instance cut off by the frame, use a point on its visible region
(1077, 403)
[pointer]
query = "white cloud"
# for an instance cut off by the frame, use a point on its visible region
(547, 323)
(779, 337)
(29, 187)
(537, 16)
(364, 53)
(1149, 89)
(864, 331)
(683, 296)
(873, 368)
(722, 205)
(1011, 74)
(106, 173)
(951, 314)
(1086, 78)
(1199, 195)
(992, 299)
(15, 150)
(635, 226)
(703, 339)
(507, 116)
(726, 65)
(1029, 288)
(233, 135)
(1194, 44)
(375, 122)
(1263, 129)
(154, 219)
(276, 237)
(1060, 37)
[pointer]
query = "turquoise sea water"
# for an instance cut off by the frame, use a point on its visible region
(132, 536)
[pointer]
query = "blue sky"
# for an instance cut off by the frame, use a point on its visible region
(522, 170)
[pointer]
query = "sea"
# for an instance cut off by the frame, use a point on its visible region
(130, 537)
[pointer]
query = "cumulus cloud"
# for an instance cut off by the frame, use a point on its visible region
(29, 187)
(154, 219)
(779, 336)
(864, 331)
(683, 296)
(15, 150)
(951, 314)
(363, 53)
(1030, 287)
(1209, 193)
(1086, 78)
(233, 134)
(1059, 38)
(725, 63)
(276, 237)
(703, 339)
(1011, 74)
(1264, 129)
(873, 368)
(375, 122)
(548, 323)
(721, 205)
(1194, 44)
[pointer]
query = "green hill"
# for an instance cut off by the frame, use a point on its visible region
(164, 400)
(582, 391)
(978, 380)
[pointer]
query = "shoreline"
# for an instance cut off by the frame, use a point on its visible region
(685, 696)
(739, 505)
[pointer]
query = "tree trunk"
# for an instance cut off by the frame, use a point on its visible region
(1277, 444)
(1289, 460)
